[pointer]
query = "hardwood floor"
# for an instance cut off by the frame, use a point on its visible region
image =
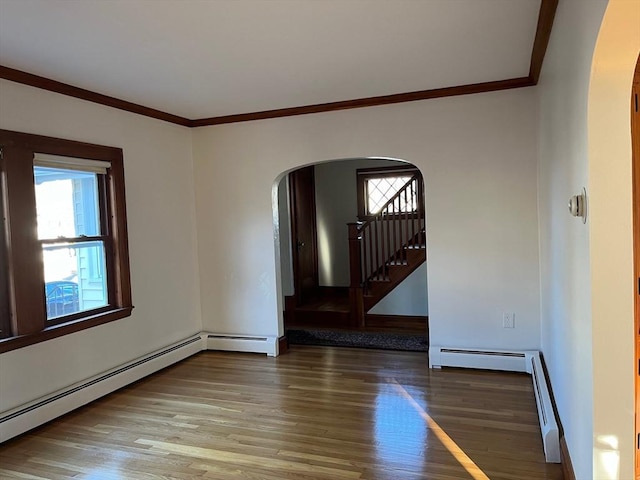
(314, 413)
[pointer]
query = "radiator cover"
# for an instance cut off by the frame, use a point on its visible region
(526, 361)
(21, 419)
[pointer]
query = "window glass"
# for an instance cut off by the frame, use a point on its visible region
(68, 209)
(70, 286)
(67, 203)
(381, 189)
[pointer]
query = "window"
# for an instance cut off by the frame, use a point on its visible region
(71, 233)
(63, 245)
(377, 186)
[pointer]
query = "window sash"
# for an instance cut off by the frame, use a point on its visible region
(81, 281)
(99, 202)
(104, 239)
(71, 163)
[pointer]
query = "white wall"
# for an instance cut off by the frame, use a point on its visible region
(337, 205)
(478, 157)
(162, 242)
(564, 240)
(586, 270)
(611, 239)
(408, 298)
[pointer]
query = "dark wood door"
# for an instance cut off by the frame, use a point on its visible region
(303, 234)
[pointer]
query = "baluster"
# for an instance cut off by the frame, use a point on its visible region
(423, 221)
(389, 255)
(412, 236)
(387, 250)
(392, 227)
(414, 209)
(405, 240)
(396, 230)
(363, 261)
(376, 236)
(381, 263)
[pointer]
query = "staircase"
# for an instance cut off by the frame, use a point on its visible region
(386, 248)
(395, 270)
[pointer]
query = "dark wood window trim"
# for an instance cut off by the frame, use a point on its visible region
(363, 174)
(5, 324)
(26, 303)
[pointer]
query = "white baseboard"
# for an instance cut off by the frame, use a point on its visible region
(525, 361)
(546, 415)
(33, 414)
(25, 417)
(477, 358)
(242, 343)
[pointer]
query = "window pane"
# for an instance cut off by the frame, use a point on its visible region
(75, 279)
(66, 202)
(380, 190)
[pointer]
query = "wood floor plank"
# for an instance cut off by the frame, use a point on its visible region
(315, 413)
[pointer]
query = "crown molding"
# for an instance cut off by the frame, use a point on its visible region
(44, 83)
(368, 102)
(543, 34)
(546, 16)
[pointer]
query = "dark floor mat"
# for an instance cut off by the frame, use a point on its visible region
(384, 341)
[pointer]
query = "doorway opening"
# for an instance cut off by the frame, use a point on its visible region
(353, 252)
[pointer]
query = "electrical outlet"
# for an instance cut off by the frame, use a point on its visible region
(509, 320)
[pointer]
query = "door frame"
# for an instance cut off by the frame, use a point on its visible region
(309, 185)
(635, 143)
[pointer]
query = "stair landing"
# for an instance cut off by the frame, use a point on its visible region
(331, 311)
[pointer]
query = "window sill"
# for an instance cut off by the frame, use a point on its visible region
(72, 326)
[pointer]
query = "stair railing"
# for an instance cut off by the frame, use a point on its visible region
(382, 240)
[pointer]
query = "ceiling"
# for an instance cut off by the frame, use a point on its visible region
(212, 58)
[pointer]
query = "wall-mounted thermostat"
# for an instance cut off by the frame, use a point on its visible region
(578, 205)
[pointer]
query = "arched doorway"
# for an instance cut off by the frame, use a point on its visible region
(322, 287)
(611, 237)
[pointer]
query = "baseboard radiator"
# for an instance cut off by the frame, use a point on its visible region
(26, 417)
(242, 343)
(514, 361)
(42, 410)
(546, 415)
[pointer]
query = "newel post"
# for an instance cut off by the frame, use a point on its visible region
(355, 287)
